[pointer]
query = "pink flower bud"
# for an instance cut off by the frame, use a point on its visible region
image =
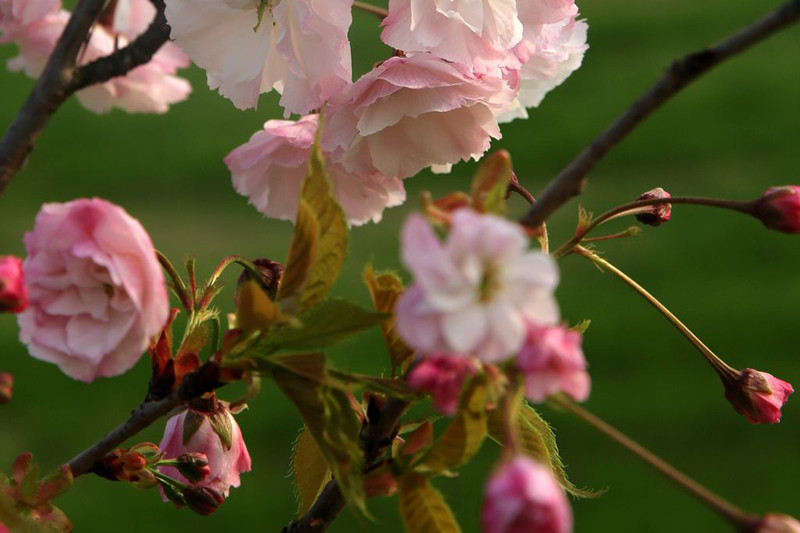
(215, 434)
(442, 376)
(193, 466)
(778, 523)
(13, 294)
(523, 497)
(779, 208)
(202, 500)
(759, 396)
(551, 361)
(656, 214)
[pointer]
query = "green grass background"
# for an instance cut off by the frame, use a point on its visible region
(732, 134)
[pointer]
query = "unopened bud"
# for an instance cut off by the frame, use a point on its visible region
(193, 466)
(13, 293)
(778, 523)
(779, 208)
(270, 275)
(656, 214)
(6, 387)
(202, 500)
(759, 396)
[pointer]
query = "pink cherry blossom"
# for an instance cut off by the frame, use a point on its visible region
(96, 289)
(226, 460)
(300, 48)
(551, 360)
(475, 293)
(759, 396)
(270, 168)
(13, 293)
(149, 88)
(475, 33)
(15, 14)
(779, 208)
(409, 113)
(522, 496)
(442, 376)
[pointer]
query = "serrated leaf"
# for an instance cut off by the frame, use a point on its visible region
(423, 508)
(537, 440)
(302, 251)
(463, 437)
(385, 288)
(490, 183)
(327, 413)
(327, 323)
(309, 469)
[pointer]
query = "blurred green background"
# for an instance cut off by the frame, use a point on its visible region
(731, 135)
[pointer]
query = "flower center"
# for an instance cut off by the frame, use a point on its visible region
(490, 282)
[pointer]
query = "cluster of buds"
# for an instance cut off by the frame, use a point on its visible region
(135, 465)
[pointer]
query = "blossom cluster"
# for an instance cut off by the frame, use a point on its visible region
(459, 70)
(35, 26)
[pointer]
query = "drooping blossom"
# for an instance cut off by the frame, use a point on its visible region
(779, 208)
(13, 293)
(475, 293)
(413, 112)
(148, 88)
(778, 523)
(758, 396)
(523, 497)
(97, 293)
(551, 361)
(16, 14)
(217, 435)
(655, 215)
(476, 33)
(299, 48)
(442, 376)
(269, 169)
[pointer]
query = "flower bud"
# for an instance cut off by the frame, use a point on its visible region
(13, 293)
(655, 214)
(442, 376)
(193, 466)
(759, 396)
(778, 523)
(202, 500)
(523, 496)
(270, 276)
(6, 387)
(779, 208)
(551, 361)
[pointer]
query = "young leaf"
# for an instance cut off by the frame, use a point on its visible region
(385, 288)
(328, 416)
(537, 440)
(309, 469)
(327, 323)
(302, 251)
(491, 182)
(463, 437)
(423, 508)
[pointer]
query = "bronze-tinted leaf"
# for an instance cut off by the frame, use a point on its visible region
(423, 508)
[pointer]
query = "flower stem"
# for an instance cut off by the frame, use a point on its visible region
(178, 286)
(639, 206)
(741, 520)
(720, 366)
(516, 186)
(369, 8)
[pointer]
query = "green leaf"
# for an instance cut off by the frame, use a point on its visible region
(309, 469)
(423, 508)
(302, 251)
(331, 236)
(537, 440)
(327, 323)
(396, 388)
(329, 417)
(463, 437)
(385, 288)
(490, 183)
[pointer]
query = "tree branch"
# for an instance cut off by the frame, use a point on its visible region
(571, 180)
(61, 78)
(193, 385)
(375, 436)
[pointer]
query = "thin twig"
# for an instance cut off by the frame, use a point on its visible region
(369, 8)
(374, 438)
(61, 78)
(571, 180)
(741, 520)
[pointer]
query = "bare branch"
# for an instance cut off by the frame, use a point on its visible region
(571, 180)
(375, 437)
